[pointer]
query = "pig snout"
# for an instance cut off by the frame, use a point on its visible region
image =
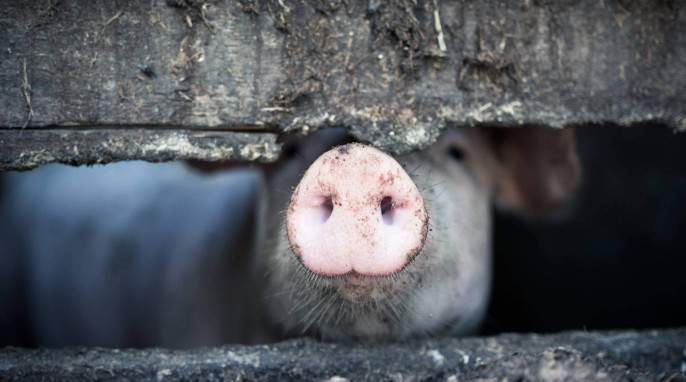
(356, 211)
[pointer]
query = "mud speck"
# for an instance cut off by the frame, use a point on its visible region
(386, 179)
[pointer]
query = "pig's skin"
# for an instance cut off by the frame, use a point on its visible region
(443, 290)
(131, 254)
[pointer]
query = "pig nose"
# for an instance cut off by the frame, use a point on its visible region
(356, 210)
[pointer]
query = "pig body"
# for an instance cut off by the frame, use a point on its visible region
(130, 254)
(159, 255)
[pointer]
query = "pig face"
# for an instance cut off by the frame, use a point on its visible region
(371, 247)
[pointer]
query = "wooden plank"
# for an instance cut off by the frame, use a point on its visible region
(393, 72)
(608, 356)
(28, 148)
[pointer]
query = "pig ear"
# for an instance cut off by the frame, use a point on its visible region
(536, 167)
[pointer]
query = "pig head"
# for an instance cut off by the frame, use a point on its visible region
(365, 246)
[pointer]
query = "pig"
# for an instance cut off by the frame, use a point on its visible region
(350, 243)
(373, 247)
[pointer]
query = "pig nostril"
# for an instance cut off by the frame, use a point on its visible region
(387, 210)
(326, 208)
(456, 153)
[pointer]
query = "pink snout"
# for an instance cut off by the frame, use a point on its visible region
(356, 210)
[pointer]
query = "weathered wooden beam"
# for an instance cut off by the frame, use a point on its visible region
(575, 356)
(393, 72)
(23, 149)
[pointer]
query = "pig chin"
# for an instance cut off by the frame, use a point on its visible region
(359, 289)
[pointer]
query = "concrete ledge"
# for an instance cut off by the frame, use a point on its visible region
(395, 73)
(618, 355)
(24, 149)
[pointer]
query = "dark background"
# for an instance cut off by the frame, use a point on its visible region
(614, 256)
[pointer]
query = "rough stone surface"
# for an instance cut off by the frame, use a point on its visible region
(26, 149)
(393, 72)
(613, 356)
